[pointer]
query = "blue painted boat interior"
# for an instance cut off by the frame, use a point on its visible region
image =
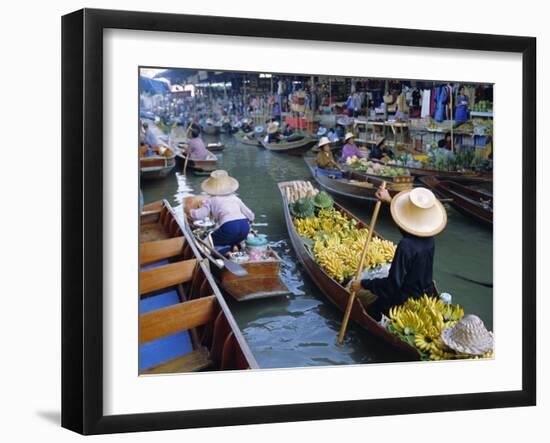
(166, 348)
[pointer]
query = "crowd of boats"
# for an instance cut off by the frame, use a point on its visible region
(185, 323)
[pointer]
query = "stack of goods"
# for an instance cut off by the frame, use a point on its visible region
(444, 160)
(482, 126)
(334, 239)
(362, 164)
(299, 189)
(439, 331)
(483, 106)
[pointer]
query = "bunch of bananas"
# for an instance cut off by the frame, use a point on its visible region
(420, 322)
(339, 255)
(328, 221)
(338, 244)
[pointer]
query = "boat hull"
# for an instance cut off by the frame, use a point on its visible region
(353, 186)
(301, 145)
(465, 200)
(333, 291)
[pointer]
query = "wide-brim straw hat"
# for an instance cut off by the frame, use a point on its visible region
(272, 128)
(418, 212)
(220, 183)
(323, 141)
(348, 136)
(468, 336)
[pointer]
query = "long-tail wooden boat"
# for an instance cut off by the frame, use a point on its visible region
(333, 290)
(248, 140)
(262, 280)
(185, 324)
(421, 172)
(471, 202)
(198, 166)
(212, 147)
(293, 144)
(158, 165)
(352, 184)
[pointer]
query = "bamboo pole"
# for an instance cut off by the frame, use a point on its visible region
(352, 294)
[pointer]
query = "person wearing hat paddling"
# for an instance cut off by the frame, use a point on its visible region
(197, 149)
(325, 159)
(231, 215)
(420, 216)
(351, 149)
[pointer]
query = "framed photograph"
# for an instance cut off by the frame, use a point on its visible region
(269, 221)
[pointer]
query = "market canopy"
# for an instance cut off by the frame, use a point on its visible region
(152, 86)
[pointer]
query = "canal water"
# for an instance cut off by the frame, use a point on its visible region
(300, 329)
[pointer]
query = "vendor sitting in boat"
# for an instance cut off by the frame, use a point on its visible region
(273, 133)
(325, 159)
(231, 215)
(351, 149)
(196, 150)
(381, 150)
(420, 216)
(150, 137)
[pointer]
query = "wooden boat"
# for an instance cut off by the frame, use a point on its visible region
(352, 185)
(421, 172)
(212, 147)
(158, 165)
(262, 280)
(248, 140)
(199, 166)
(185, 324)
(211, 129)
(333, 290)
(471, 202)
(292, 144)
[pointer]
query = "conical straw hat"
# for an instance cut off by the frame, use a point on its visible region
(348, 135)
(272, 128)
(418, 212)
(468, 336)
(220, 183)
(323, 141)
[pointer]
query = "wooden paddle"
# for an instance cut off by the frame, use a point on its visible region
(352, 294)
(231, 266)
(187, 152)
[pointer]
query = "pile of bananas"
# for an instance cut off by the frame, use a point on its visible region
(338, 244)
(420, 322)
(327, 221)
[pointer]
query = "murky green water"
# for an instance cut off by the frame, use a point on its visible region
(301, 329)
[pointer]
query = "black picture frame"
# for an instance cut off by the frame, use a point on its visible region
(82, 215)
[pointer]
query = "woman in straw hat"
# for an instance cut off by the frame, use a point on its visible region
(325, 159)
(351, 149)
(420, 216)
(231, 215)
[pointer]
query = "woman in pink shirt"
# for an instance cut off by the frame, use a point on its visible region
(231, 215)
(197, 150)
(350, 149)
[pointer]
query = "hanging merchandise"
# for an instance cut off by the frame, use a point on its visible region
(442, 94)
(426, 100)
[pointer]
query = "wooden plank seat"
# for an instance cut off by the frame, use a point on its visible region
(197, 360)
(154, 251)
(165, 276)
